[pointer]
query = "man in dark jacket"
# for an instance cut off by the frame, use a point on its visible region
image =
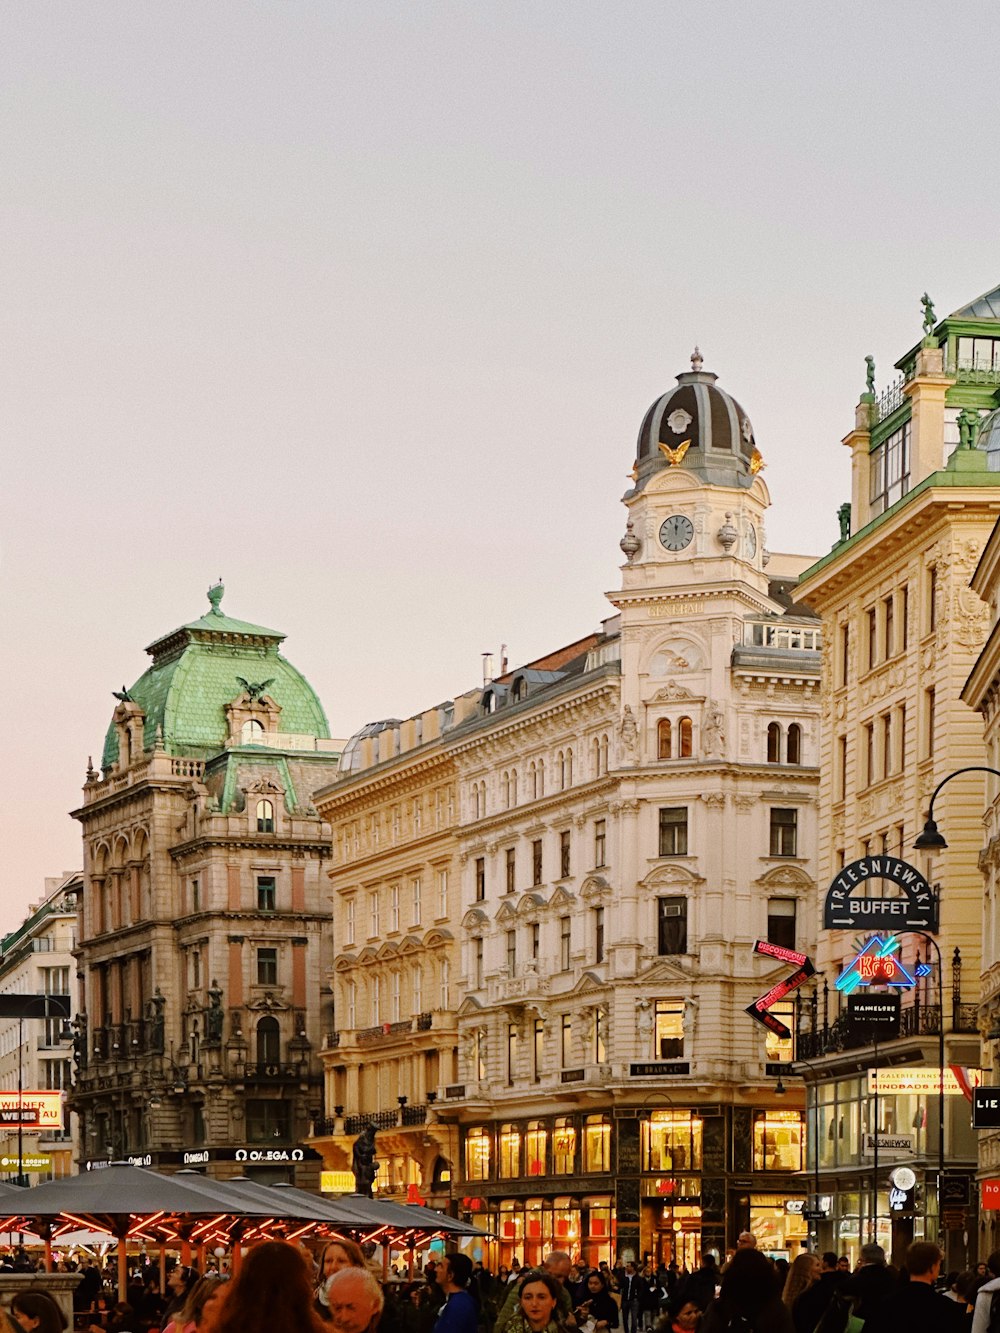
(700, 1286)
(915, 1306)
(871, 1282)
(460, 1314)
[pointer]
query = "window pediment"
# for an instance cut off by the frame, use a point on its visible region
(595, 888)
(474, 917)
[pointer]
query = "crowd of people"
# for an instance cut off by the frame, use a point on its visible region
(282, 1288)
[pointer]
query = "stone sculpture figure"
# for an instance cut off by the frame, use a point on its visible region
(629, 730)
(214, 1015)
(929, 317)
(870, 374)
(363, 1162)
(844, 519)
(968, 428)
(713, 731)
(154, 1009)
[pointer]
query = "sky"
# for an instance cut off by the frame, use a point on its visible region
(359, 306)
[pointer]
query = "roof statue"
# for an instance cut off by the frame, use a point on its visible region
(215, 596)
(697, 360)
(929, 317)
(255, 691)
(123, 695)
(870, 375)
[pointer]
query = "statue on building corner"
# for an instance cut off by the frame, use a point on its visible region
(968, 428)
(870, 375)
(363, 1163)
(930, 319)
(629, 731)
(154, 1012)
(844, 519)
(213, 1014)
(713, 730)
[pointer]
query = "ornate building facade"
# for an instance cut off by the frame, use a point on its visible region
(632, 813)
(204, 940)
(902, 629)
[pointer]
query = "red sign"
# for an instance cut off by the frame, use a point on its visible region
(759, 1008)
(779, 951)
(991, 1193)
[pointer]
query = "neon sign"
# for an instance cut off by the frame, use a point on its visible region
(876, 964)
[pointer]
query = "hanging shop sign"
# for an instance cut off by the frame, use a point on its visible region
(915, 906)
(990, 1192)
(875, 1017)
(923, 1079)
(986, 1108)
(760, 1009)
(876, 964)
(889, 1145)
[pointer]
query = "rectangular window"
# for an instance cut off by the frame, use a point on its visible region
(394, 907)
(672, 1141)
(890, 470)
(784, 832)
(887, 755)
(668, 1033)
(376, 994)
(598, 934)
(510, 869)
(845, 652)
(932, 599)
(673, 830)
(511, 953)
(195, 895)
(564, 854)
(267, 967)
(869, 734)
(872, 638)
(536, 861)
(563, 1146)
(538, 1051)
(511, 1053)
(901, 743)
(597, 1143)
(56, 1075)
(417, 990)
(395, 1010)
(904, 615)
(268, 1121)
(477, 1154)
(442, 894)
(480, 879)
(267, 893)
(781, 922)
(478, 976)
(566, 1041)
(510, 1152)
(349, 921)
(930, 725)
(842, 768)
(196, 968)
(536, 932)
(777, 1141)
(776, 1048)
(600, 842)
(415, 890)
(671, 925)
(373, 922)
(445, 995)
(565, 926)
(887, 626)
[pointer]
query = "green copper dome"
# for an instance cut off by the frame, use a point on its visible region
(203, 666)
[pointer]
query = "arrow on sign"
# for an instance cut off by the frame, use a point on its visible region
(760, 1009)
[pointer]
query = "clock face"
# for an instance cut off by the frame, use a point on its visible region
(676, 532)
(750, 541)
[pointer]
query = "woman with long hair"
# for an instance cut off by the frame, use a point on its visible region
(272, 1293)
(596, 1306)
(335, 1255)
(805, 1270)
(203, 1306)
(37, 1312)
(749, 1290)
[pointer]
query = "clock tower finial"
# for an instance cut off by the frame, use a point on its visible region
(697, 360)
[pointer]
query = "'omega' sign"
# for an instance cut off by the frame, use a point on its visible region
(915, 909)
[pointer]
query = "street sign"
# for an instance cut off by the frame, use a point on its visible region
(986, 1108)
(889, 1145)
(916, 909)
(759, 1010)
(873, 1016)
(954, 1191)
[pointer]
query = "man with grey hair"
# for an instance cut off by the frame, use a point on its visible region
(871, 1282)
(355, 1301)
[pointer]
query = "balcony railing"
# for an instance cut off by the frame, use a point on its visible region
(386, 1031)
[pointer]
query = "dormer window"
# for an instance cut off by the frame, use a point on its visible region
(252, 732)
(265, 817)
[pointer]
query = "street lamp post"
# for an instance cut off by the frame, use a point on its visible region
(815, 1137)
(932, 840)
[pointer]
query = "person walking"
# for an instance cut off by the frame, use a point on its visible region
(538, 1309)
(460, 1313)
(273, 1293)
(914, 1305)
(814, 1302)
(555, 1265)
(983, 1306)
(633, 1292)
(749, 1293)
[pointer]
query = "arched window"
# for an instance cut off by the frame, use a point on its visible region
(685, 738)
(475, 800)
(513, 786)
(663, 738)
(561, 761)
(596, 762)
(252, 732)
(533, 780)
(268, 1041)
(773, 743)
(795, 744)
(505, 789)
(265, 817)
(604, 754)
(541, 777)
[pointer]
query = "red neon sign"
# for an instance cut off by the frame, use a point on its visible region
(779, 951)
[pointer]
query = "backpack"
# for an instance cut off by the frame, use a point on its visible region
(837, 1315)
(994, 1324)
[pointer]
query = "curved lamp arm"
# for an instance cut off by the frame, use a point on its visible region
(930, 839)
